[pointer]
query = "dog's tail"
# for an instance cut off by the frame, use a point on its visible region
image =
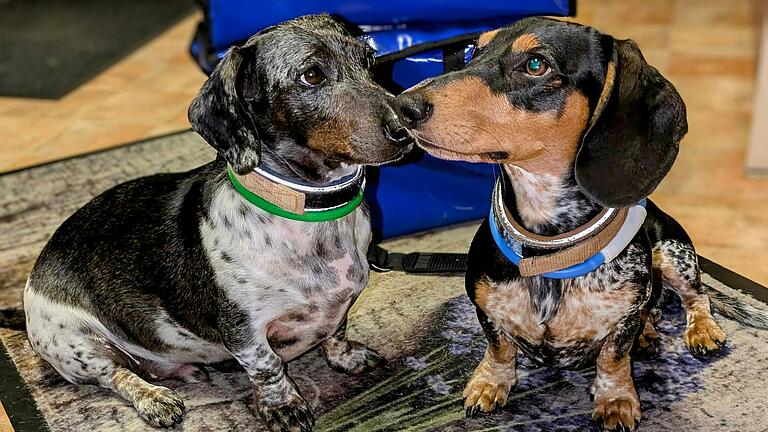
(13, 319)
(735, 309)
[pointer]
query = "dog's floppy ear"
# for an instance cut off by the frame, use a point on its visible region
(632, 140)
(221, 113)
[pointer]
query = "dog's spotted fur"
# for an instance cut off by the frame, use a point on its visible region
(598, 128)
(163, 273)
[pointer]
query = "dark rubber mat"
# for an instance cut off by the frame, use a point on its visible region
(50, 47)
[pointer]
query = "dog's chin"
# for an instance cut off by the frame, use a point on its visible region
(398, 156)
(384, 159)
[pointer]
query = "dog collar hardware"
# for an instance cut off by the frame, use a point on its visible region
(300, 200)
(574, 253)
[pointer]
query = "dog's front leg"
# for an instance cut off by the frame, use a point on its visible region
(616, 403)
(488, 387)
(349, 356)
(277, 397)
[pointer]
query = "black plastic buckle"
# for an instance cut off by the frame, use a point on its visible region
(378, 258)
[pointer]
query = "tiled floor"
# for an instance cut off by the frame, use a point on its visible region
(705, 47)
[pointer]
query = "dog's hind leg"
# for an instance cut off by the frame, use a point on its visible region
(675, 259)
(63, 336)
(648, 339)
(159, 406)
(348, 356)
(679, 267)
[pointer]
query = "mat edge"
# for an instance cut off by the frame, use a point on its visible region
(96, 152)
(17, 399)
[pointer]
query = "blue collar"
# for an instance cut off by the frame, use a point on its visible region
(512, 249)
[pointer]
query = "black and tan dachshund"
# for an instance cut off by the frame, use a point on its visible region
(582, 127)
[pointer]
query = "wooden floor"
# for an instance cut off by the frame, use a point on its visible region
(146, 94)
(706, 48)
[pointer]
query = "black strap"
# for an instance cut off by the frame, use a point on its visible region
(452, 42)
(453, 57)
(381, 260)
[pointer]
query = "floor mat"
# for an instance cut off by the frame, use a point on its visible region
(50, 47)
(424, 325)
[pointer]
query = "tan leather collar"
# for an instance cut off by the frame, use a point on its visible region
(298, 199)
(567, 249)
(277, 194)
(576, 253)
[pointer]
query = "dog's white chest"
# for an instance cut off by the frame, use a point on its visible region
(296, 280)
(303, 325)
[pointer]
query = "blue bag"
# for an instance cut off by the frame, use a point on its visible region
(415, 39)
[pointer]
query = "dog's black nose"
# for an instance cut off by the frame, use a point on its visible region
(414, 108)
(397, 133)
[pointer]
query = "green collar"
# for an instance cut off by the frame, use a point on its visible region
(314, 204)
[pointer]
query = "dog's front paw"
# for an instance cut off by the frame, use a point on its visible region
(703, 336)
(352, 357)
(293, 415)
(485, 392)
(160, 407)
(617, 414)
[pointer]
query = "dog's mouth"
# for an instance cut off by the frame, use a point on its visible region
(396, 157)
(385, 159)
(450, 154)
(432, 147)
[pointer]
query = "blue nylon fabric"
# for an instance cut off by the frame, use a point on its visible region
(570, 272)
(233, 20)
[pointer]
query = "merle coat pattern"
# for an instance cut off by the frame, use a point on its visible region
(578, 121)
(161, 274)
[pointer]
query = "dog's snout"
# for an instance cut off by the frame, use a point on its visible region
(414, 108)
(397, 133)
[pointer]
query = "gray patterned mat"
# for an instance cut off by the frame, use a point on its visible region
(424, 325)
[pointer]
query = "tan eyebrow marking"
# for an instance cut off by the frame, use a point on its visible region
(486, 38)
(525, 42)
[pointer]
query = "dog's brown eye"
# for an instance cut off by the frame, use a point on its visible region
(536, 66)
(312, 77)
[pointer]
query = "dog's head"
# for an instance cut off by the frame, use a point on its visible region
(551, 96)
(299, 94)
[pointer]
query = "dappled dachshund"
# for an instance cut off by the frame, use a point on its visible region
(569, 265)
(256, 256)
